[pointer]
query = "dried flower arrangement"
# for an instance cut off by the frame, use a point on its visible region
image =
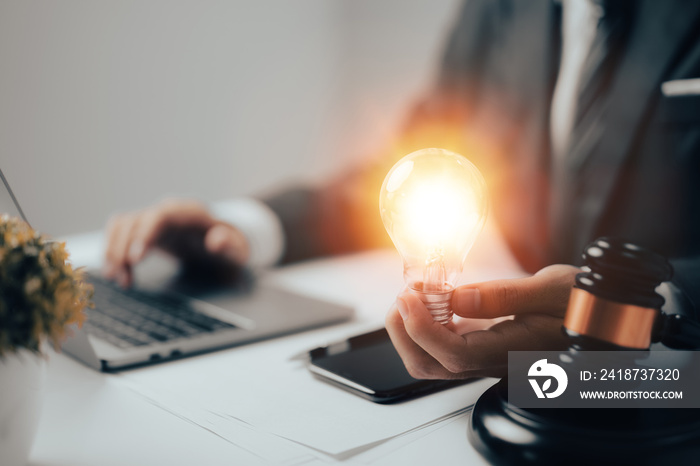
(40, 292)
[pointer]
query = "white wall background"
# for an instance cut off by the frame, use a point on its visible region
(108, 106)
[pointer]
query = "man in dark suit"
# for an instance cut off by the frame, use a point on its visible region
(575, 141)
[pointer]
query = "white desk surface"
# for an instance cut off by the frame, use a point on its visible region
(89, 418)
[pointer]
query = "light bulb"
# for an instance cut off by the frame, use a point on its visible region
(433, 204)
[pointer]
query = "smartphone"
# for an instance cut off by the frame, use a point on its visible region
(369, 366)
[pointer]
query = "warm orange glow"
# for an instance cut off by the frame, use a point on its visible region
(351, 222)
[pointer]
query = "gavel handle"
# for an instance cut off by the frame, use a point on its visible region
(680, 332)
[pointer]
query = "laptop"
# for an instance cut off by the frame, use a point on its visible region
(171, 313)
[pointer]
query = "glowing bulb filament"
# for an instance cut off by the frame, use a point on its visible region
(435, 276)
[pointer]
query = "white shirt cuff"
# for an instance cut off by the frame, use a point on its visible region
(671, 293)
(259, 224)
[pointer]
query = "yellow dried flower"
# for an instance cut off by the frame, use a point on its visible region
(40, 293)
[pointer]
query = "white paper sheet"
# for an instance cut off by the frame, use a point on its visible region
(90, 419)
(260, 386)
(267, 446)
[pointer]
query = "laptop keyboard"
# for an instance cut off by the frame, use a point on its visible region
(128, 318)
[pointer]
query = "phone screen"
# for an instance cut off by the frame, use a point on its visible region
(369, 366)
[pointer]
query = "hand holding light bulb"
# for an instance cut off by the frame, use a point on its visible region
(433, 204)
(523, 314)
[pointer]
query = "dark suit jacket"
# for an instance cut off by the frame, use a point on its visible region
(639, 178)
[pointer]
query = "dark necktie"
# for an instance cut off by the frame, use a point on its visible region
(599, 66)
(594, 83)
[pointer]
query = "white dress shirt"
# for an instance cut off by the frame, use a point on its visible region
(578, 28)
(259, 224)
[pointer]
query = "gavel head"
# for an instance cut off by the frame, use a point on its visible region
(614, 304)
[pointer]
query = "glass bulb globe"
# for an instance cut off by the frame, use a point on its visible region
(433, 204)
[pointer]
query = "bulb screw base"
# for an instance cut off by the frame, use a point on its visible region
(439, 303)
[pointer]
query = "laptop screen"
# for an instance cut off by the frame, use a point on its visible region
(8, 202)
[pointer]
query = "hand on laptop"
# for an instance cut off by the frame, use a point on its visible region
(503, 315)
(184, 228)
